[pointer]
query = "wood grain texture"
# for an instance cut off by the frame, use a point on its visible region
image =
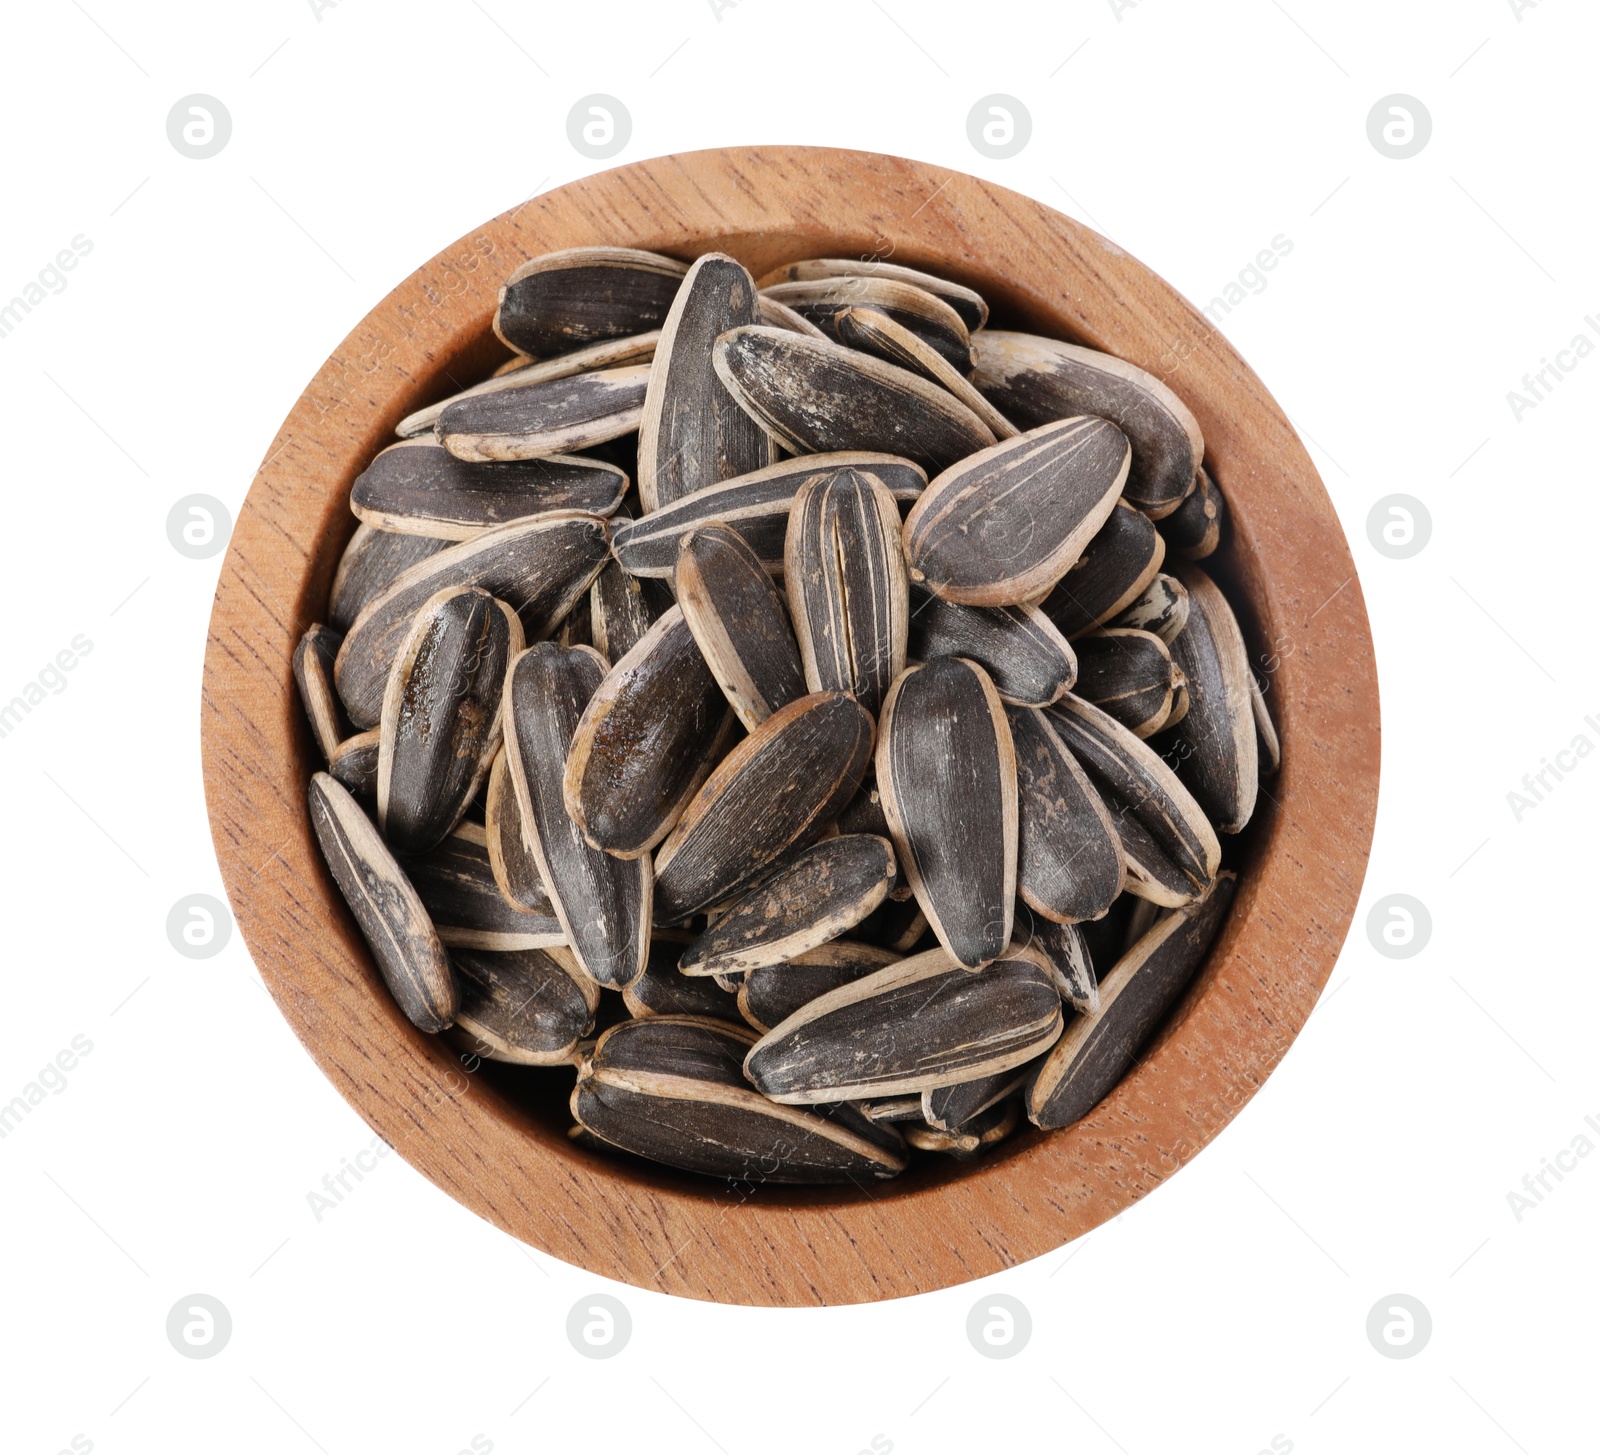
(1284, 560)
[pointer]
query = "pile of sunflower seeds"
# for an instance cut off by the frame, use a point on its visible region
(793, 706)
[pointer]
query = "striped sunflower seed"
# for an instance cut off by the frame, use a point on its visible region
(779, 315)
(692, 433)
(396, 927)
(824, 301)
(539, 567)
(1098, 1050)
(776, 793)
(457, 886)
(654, 728)
(1034, 380)
(1070, 861)
(912, 1026)
(355, 764)
(816, 896)
(669, 1088)
(948, 780)
(1115, 569)
(528, 1007)
(973, 1140)
(739, 622)
(770, 994)
(864, 815)
(846, 581)
(971, 308)
(1194, 529)
(552, 418)
(1269, 754)
(756, 506)
(564, 300)
(419, 488)
(440, 724)
(898, 925)
(1129, 674)
(370, 563)
(1219, 729)
(813, 395)
(1000, 526)
(603, 903)
(314, 656)
(1066, 951)
(665, 990)
(1029, 661)
(1162, 607)
(510, 859)
(954, 1108)
(622, 607)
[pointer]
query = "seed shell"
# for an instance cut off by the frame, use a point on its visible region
(314, 656)
(397, 929)
(739, 622)
(975, 1138)
(814, 395)
(776, 793)
(1029, 661)
(825, 301)
(603, 903)
(355, 764)
(622, 608)
(692, 433)
(1000, 526)
(846, 581)
(912, 1026)
(779, 315)
(419, 488)
(1098, 1050)
(898, 925)
(818, 895)
(528, 1007)
(1066, 951)
(539, 567)
(370, 563)
(1034, 380)
(953, 1108)
(457, 885)
(772, 993)
(1115, 569)
(756, 506)
(1162, 607)
(948, 780)
(510, 859)
(663, 989)
(1194, 529)
(654, 728)
(1129, 674)
(564, 300)
(971, 308)
(1269, 755)
(552, 418)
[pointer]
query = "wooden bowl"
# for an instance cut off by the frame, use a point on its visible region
(495, 1140)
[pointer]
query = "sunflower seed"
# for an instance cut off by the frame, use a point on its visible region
(773, 795)
(846, 581)
(1129, 674)
(897, 925)
(816, 896)
(1106, 938)
(578, 296)
(815, 396)
(1269, 755)
(419, 488)
(922, 1023)
(314, 656)
(546, 419)
(948, 780)
(825, 300)
(1098, 1050)
(739, 622)
(355, 764)
(779, 315)
(457, 885)
(1162, 607)
(440, 726)
(756, 506)
(664, 990)
(1141, 922)
(603, 903)
(577, 626)
(528, 1007)
(772, 993)
(510, 860)
(1065, 949)
(515, 373)
(973, 1140)
(1000, 526)
(864, 815)
(669, 1088)
(409, 955)
(1113, 572)
(1219, 729)
(953, 1108)
(622, 607)
(647, 738)
(1034, 380)
(1154, 814)
(973, 311)
(1194, 529)
(1030, 662)
(875, 332)
(539, 567)
(692, 433)
(371, 562)
(1180, 700)
(1070, 862)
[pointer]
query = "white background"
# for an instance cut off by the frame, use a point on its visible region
(1226, 1310)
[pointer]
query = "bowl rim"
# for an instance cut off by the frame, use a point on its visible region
(735, 1244)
